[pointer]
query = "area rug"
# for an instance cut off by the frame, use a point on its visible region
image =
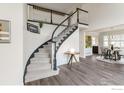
(110, 61)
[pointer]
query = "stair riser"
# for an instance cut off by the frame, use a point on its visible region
(30, 69)
(40, 53)
(47, 45)
(43, 49)
(42, 75)
(68, 32)
(41, 59)
(42, 56)
(36, 62)
(39, 65)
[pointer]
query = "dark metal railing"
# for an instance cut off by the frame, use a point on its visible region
(61, 24)
(52, 38)
(51, 12)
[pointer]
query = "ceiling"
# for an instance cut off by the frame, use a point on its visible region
(63, 7)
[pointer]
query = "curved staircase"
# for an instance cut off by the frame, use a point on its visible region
(40, 65)
(42, 62)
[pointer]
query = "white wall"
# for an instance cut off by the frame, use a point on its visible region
(104, 15)
(82, 43)
(11, 60)
(34, 40)
(71, 42)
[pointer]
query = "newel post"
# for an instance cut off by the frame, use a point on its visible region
(77, 15)
(55, 62)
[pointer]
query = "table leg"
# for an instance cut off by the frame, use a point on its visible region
(70, 60)
(75, 58)
(115, 56)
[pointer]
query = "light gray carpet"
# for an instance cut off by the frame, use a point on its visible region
(110, 61)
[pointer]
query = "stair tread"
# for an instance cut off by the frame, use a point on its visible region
(43, 49)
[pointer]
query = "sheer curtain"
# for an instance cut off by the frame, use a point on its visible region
(115, 38)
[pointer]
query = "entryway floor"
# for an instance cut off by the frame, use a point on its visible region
(88, 71)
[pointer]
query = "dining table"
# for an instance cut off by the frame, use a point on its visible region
(113, 54)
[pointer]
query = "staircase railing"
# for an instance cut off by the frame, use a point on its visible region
(55, 30)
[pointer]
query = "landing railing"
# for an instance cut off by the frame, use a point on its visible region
(74, 18)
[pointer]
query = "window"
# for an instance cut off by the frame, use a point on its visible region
(105, 41)
(117, 40)
(93, 41)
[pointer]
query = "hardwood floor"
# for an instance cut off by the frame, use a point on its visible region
(88, 71)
